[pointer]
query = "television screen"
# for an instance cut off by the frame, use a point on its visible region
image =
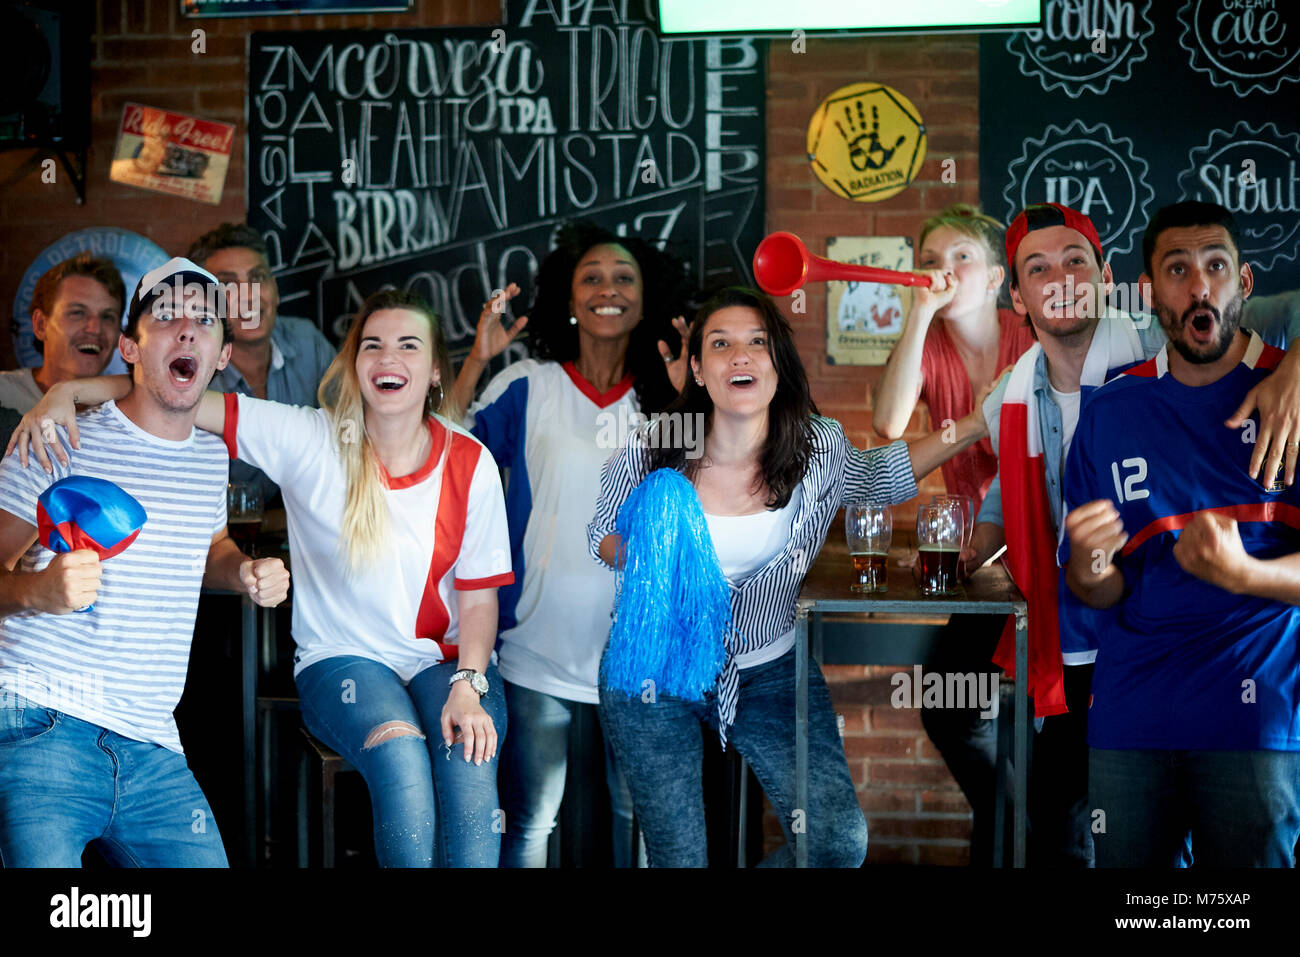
(856, 16)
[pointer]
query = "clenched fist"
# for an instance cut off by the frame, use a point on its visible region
(266, 580)
(927, 300)
(1210, 548)
(69, 583)
(1096, 533)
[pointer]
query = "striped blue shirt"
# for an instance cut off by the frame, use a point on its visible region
(763, 604)
(121, 665)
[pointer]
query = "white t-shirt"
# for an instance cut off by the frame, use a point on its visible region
(19, 391)
(554, 431)
(1068, 403)
(121, 665)
(745, 543)
(447, 522)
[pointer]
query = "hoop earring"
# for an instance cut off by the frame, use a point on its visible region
(430, 406)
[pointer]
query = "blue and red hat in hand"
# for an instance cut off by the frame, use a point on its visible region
(84, 512)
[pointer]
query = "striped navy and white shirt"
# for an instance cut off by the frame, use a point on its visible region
(121, 665)
(763, 604)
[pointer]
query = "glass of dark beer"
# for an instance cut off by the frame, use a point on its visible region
(967, 505)
(244, 514)
(868, 530)
(938, 544)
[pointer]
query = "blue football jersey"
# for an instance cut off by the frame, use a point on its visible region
(1185, 664)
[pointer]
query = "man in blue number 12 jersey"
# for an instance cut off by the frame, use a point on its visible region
(1194, 723)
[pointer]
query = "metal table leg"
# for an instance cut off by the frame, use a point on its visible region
(1022, 738)
(248, 673)
(801, 733)
(270, 728)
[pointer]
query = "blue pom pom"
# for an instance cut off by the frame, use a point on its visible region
(673, 609)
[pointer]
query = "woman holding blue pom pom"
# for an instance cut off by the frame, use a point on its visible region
(603, 308)
(712, 545)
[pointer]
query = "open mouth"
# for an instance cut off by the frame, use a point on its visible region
(388, 383)
(741, 381)
(609, 310)
(90, 348)
(1203, 322)
(183, 369)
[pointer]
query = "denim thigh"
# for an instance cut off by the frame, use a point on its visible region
(658, 740)
(536, 761)
(470, 818)
(1245, 807)
(65, 783)
(833, 823)
(1140, 818)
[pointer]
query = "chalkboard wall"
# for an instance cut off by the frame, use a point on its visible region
(1118, 107)
(442, 160)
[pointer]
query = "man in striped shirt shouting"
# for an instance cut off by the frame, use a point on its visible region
(89, 751)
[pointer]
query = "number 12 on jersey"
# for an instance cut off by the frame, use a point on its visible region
(1128, 490)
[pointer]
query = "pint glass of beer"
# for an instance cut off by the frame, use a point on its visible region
(938, 542)
(967, 505)
(244, 514)
(868, 530)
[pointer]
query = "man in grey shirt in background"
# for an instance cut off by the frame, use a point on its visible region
(274, 357)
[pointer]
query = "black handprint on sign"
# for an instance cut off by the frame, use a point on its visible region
(865, 149)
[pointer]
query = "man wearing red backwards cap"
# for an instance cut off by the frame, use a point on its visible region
(89, 751)
(1059, 279)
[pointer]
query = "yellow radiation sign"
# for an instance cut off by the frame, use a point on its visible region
(866, 142)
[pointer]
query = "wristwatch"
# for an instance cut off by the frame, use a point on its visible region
(476, 681)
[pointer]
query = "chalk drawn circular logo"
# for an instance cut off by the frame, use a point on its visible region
(1084, 47)
(866, 142)
(132, 254)
(1252, 171)
(1087, 168)
(1242, 44)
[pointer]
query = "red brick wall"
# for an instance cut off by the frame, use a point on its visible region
(142, 52)
(915, 812)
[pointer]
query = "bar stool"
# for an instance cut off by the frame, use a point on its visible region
(329, 765)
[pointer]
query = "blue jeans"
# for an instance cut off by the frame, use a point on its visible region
(537, 759)
(1228, 808)
(660, 746)
(429, 803)
(66, 783)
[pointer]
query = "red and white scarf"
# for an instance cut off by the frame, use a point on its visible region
(1027, 510)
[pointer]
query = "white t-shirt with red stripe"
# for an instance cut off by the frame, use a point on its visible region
(447, 522)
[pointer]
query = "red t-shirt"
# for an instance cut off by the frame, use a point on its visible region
(946, 391)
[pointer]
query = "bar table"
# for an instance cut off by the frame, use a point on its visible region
(829, 616)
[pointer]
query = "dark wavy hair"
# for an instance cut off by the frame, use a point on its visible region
(227, 236)
(665, 286)
(788, 448)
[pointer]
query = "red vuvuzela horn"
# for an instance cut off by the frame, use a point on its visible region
(783, 264)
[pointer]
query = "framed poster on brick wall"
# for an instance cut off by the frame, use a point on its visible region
(865, 319)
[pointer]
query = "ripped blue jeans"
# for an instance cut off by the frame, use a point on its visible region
(428, 808)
